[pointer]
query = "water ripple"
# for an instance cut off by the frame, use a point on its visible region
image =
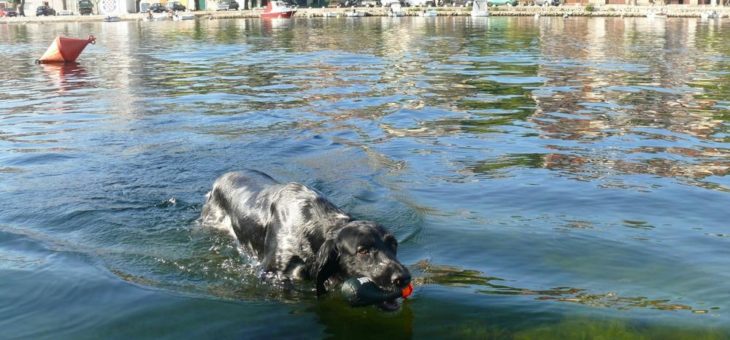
(582, 161)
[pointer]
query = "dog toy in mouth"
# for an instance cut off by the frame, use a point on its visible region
(362, 292)
(407, 291)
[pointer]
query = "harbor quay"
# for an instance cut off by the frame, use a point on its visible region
(590, 10)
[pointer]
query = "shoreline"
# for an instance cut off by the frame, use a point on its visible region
(676, 11)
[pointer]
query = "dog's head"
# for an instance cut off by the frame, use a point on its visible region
(361, 249)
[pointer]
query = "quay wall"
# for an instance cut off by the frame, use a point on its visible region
(563, 10)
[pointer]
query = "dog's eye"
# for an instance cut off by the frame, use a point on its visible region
(363, 250)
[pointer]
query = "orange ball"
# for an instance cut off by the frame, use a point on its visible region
(407, 291)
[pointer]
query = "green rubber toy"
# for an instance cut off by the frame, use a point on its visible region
(363, 292)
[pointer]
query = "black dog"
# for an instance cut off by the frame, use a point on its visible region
(298, 234)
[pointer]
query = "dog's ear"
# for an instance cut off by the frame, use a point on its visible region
(325, 265)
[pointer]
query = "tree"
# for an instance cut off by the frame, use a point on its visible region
(21, 8)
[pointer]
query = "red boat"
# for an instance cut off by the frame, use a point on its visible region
(277, 9)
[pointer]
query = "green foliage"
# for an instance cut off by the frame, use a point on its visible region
(590, 8)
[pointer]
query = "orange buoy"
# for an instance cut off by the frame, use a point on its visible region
(65, 50)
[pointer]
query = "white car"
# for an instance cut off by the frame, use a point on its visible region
(387, 3)
(546, 2)
(225, 5)
(421, 3)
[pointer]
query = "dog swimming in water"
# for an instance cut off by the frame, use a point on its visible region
(297, 234)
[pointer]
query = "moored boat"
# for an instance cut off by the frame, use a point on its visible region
(277, 9)
(178, 16)
(429, 13)
(655, 15)
(158, 16)
(480, 9)
(355, 14)
(706, 15)
(395, 10)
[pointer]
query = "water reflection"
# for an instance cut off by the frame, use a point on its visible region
(67, 76)
(584, 136)
(269, 25)
(453, 276)
(599, 86)
(342, 321)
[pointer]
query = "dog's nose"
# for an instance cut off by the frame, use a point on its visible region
(401, 280)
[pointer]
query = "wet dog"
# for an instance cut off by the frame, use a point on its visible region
(296, 233)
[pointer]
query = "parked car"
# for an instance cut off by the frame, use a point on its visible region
(421, 3)
(349, 3)
(175, 6)
(370, 3)
(546, 2)
(44, 10)
(225, 5)
(8, 12)
(222, 6)
(86, 7)
(157, 8)
(501, 2)
(387, 3)
(462, 3)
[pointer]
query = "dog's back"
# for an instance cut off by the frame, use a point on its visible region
(282, 224)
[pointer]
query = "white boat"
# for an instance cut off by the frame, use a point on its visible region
(183, 16)
(706, 15)
(395, 10)
(277, 10)
(655, 15)
(480, 9)
(157, 16)
(355, 13)
(429, 13)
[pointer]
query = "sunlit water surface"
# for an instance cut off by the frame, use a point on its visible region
(546, 178)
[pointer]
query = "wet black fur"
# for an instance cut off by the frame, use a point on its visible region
(296, 233)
